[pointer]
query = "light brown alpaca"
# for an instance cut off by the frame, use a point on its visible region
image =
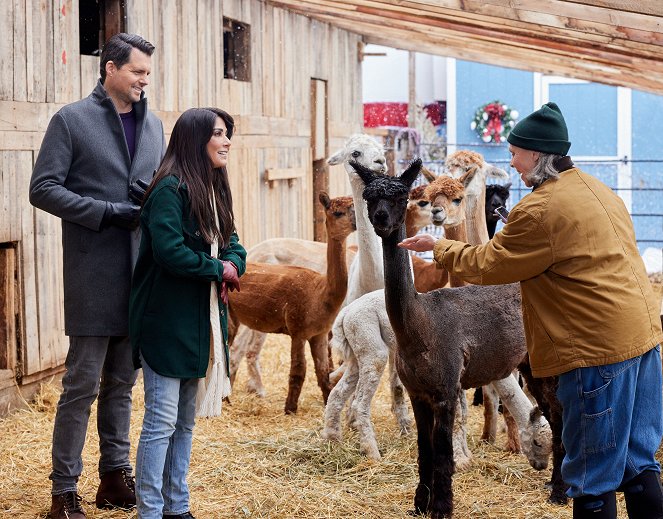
(427, 274)
(248, 343)
(300, 302)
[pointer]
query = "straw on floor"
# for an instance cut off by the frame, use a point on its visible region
(256, 462)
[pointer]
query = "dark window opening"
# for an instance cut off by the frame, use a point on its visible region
(236, 50)
(99, 20)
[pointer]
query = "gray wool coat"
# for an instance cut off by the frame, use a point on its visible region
(83, 163)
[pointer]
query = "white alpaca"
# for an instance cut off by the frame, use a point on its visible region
(365, 150)
(366, 272)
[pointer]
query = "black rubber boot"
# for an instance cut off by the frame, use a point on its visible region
(595, 507)
(644, 497)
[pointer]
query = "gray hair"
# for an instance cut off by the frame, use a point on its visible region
(544, 170)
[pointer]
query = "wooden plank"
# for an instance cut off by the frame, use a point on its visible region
(89, 74)
(66, 54)
(20, 53)
(208, 23)
(272, 174)
(27, 271)
(169, 55)
(7, 55)
(187, 56)
(39, 50)
(653, 7)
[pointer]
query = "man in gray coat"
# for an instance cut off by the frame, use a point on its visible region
(93, 153)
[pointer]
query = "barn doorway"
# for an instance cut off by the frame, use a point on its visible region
(8, 310)
(319, 154)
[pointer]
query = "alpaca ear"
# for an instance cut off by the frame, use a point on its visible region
(507, 186)
(469, 175)
(364, 173)
(324, 199)
(412, 172)
(336, 158)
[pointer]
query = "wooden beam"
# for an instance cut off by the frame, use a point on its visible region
(529, 46)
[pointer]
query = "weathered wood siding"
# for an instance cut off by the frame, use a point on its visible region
(42, 69)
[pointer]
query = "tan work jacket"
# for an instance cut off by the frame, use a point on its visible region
(586, 297)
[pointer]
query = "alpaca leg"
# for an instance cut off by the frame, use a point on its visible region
(370, 372)
(254, 383)
(441, 502)
(297, 374)
(320, 353)
(398, 401)
(462, 453)
(337, 398)
(238, 349)
(423, 416)
(490, 413)
(512, 434)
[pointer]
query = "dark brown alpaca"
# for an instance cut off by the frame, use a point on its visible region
(448, 340)
(300, 302)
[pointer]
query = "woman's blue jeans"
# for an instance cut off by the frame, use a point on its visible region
(164, 449)
(613, 423)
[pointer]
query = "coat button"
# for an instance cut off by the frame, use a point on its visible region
(197, 233)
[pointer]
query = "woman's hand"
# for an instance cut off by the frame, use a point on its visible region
(419, 243)
(230, 275)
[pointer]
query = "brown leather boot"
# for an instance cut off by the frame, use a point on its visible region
(116, 490)
(66, 506)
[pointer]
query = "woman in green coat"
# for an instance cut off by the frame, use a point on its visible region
(189, 258)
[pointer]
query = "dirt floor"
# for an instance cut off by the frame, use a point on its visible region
(255, 462)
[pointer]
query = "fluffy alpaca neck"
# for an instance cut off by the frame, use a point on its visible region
(399, 291)
(411, 227)
(457, 232)
(491, 225)
(475, 211)
(367, 270)
(337, 270)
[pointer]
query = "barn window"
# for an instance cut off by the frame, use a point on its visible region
(236, 50)
(99, 20)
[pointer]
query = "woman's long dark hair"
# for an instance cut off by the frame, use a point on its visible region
(187, 158)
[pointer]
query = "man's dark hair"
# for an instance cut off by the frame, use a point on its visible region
(118, 48)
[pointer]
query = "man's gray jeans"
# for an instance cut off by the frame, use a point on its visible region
(95, 366)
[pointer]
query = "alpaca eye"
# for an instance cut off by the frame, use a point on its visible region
(423, 203)
(356, 154)
(457, 201)
(338, 214)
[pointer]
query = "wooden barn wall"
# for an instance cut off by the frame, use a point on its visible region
(42, 69)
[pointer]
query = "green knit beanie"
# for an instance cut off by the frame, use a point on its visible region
(543, 130)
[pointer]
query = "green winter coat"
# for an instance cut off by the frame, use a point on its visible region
(169, 308)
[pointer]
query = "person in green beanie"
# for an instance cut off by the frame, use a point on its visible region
(590, 315)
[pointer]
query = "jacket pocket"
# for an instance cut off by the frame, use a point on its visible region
(543, 352)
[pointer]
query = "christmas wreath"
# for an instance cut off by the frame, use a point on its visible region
(493, 121)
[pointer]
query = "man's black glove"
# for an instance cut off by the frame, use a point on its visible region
(121, 214)
(137, 191)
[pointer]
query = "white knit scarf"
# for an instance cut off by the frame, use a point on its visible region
(216, 385)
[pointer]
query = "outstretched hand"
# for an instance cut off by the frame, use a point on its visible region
(419, 243)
